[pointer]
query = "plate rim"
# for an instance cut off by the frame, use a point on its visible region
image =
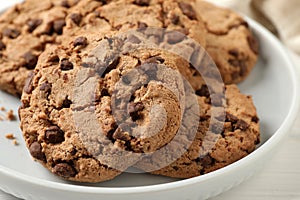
(263, 149)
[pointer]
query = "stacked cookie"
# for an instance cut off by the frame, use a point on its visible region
(115, 84)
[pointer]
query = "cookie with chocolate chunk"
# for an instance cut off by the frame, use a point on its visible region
(25, 31)
(229, 41)
(27, 28)
(223, 137)
(123, 15)
(93, 107)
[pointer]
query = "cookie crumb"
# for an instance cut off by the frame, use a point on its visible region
(10, 115)
(15, 142)
(10, 136)
(2, 108)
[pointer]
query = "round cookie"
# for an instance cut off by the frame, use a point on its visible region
(25, 31)
(55, 21)
(175, 15)
(95, 102)
(229, 136)
(229, 41)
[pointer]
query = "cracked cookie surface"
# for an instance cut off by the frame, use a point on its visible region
(101, 101)
(230, 135)
(27, 28)
(25, 31)
(229, 41)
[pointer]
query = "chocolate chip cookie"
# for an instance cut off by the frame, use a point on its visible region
(25, 31)
(221, 140)
(102, 101)
(123, 15)
(27, 28)
(229, 41)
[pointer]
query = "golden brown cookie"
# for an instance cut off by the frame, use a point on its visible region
(229, 41)
(27, 28)
(25, 31)
(101, 101)
(222, 139)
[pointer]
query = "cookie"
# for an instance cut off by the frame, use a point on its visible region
(228, 136)
(101, 101)
(229, 41)
(172, 15)
(54, 21)
(25, 31)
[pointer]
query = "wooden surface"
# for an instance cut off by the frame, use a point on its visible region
(279, 180)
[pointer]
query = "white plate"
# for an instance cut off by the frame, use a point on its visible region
(274, 87)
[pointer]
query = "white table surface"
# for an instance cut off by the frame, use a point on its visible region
(279, 180)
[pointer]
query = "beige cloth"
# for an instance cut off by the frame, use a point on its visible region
(282, 17)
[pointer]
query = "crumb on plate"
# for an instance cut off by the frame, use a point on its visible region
(10, 115)
(10, 136)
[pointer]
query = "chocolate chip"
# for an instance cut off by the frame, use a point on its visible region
(118, 27)
(234, 52)
(257, 141)
(188, 10)
(30, 60)
(53, 59)
(104, 92)
(2, 46)
(54, 135)
(80, 41)
(142, 2)
(35, 150)
(76, 18)
(64, 170)
(133, 39)
(175, 19)
(73, 152)
(241, 124)
(49, 28)
(155, 59)
(133, 110)
(65, 78)
(203, 91)
(255, 119)
(11, 33)
(66, 103)
(46, 87)
(231, 118)
(65, 4)
(33, 24)
(58, 26)
(142, 25)
(28, 87)
(66, 65)
(174, 37)
(205, 161)
(253, 44)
